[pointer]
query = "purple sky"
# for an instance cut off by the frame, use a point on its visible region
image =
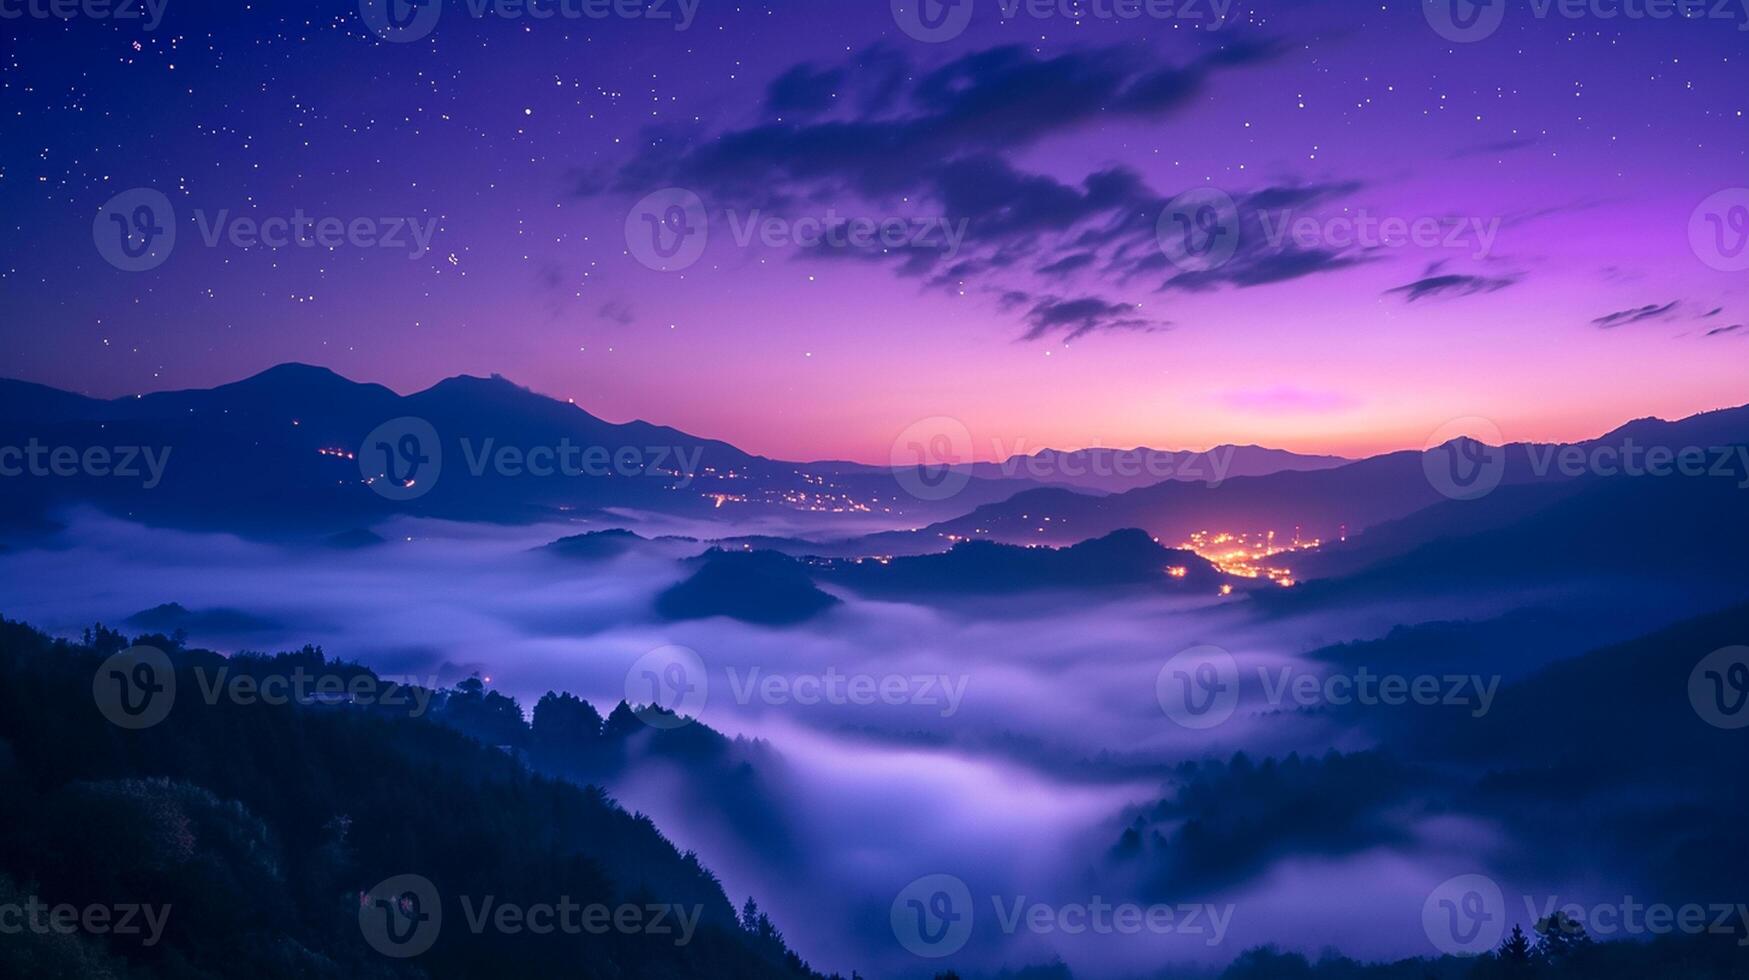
(1570, 155)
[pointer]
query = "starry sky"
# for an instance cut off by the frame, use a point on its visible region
(1583, 176)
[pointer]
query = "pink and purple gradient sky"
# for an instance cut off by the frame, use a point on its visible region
(1586, 144)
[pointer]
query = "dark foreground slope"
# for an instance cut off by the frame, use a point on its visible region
(260, 827)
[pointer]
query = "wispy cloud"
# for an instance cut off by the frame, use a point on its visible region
(1451, 284)
(1650, 311)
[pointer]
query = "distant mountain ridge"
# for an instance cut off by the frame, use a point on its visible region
(277, 453)
(1111, 470)
(1323, 503)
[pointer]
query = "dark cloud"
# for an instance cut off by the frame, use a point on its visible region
(1083, 315)
(876, 129)
(1262, 267)
(1635, 315)
(804, 90)
(1720, 331)
(1451, 284)
(1072, 262)
(617, 311)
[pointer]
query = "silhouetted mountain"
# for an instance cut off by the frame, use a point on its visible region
(761, 587)
(1668, 534)
(1108, 470)
(1607, 759)
(356, 539)
(263, 827)
(173, 617)
(1122, 558)
(1357, 495)
(277, 453)
(595, 545)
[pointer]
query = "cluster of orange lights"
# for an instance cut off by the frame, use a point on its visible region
(1247, 554)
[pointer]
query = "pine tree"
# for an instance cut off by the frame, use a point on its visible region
(1559, 936)
(1515, 950)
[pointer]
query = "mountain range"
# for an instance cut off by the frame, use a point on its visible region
(279, 454)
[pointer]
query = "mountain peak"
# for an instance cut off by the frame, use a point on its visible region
(294, 372)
